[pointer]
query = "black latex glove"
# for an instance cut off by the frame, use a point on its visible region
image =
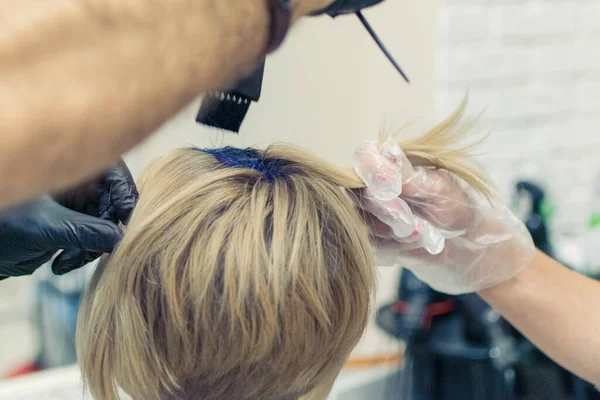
(82, 221)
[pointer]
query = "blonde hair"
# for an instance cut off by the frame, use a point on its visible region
(228, 285)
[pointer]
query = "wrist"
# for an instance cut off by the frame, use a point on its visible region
(521, 282)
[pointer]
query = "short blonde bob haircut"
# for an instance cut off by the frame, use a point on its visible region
(228, 285)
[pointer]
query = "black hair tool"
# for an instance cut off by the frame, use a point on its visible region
(227, 109)
(345, 7)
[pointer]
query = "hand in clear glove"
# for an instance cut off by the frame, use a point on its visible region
(433, 223)
(82, 221)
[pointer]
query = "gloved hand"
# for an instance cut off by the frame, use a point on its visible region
(436, 225)
(82, 221)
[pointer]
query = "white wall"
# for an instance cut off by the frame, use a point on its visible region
(536, 64)
(327, 90)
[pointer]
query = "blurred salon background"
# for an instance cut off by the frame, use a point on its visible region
(532, 71)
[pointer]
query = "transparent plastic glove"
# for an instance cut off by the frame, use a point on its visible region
(382, 170)
(449, 236)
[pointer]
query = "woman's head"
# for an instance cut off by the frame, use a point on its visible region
(241, 275)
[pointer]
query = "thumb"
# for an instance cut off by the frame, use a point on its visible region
(121, 195)
(76, 231)
(380, 174)
(69, 260)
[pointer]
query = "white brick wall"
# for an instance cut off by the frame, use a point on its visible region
(535, 65)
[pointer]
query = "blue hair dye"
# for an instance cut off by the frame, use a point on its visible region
(233, 157)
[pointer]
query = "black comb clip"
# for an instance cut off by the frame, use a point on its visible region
(227, 109)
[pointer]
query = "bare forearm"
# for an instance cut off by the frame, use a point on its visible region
(556, 308)
(82, 81)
